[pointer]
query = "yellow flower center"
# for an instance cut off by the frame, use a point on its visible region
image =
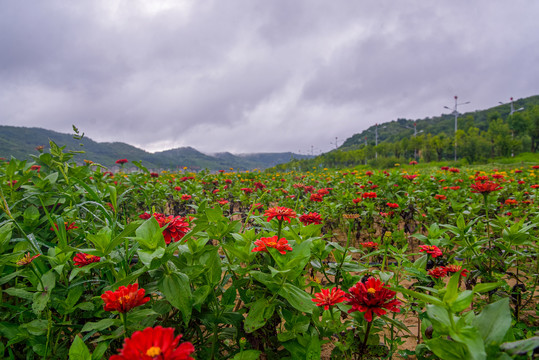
(153, 351)
(271, 244)
(371, 291)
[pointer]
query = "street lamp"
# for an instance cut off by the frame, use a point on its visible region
(456, 113)
(415, 134)
(511, 114)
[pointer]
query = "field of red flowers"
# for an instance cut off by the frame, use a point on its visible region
(260, 265)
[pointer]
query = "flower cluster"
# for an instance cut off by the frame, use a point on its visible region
(442, 271)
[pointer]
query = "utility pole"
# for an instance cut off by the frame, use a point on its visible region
(365, 150)
(511, 114)
(456, 113)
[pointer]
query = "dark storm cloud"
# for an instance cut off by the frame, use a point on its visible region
(246, 76)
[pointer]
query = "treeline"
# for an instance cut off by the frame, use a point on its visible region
(481, 136)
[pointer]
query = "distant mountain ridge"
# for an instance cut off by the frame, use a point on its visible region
(20, 142)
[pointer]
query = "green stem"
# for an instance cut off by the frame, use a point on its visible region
(279, 229)
(485, 197)
(123, 316)
(338, 274)
(37, 276)
(363, 348)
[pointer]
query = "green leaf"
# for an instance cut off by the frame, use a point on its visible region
(447, 349)
(36, 327)
(100, 240)
(298, 298)
(21, 293)
(259, 313)
(439, 317)
(31, 216)
(421, 263)
(493, 322)
(79, 350)
(147, 257)
(248, 355)
(177, 291)
(150, 235)
(452, 289)
(424, 297)
(100, 325)
(462, 302)
(481, 288)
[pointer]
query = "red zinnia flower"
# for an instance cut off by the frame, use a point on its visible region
(121, 161)
(370, 297)
(177, 188)
(409, 177)
(176, 227)
(456, 268)
(263, 243)
(124, 299)
(145, 216)
(310, 218)
(317, 197)
(485, 187)
(370, 244)
(247, 190)
(83, 259)
(440, 197)
(454, 170)
(26, 259)
(431, 249)
(329, 297)
(67, 226)
(281, 213)
(154, 175)
(35, 167)
(413, 162)
(445, 168)
(155, 343)
(186, 197)
(534, 186)
(368, 173)
(392, 205)
(369, 195)
(454, 187)
(438, 272)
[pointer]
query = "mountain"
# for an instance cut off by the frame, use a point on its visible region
(20, 142)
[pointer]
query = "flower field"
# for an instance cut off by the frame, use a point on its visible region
(437, 263)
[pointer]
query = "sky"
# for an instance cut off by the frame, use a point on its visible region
(248, 76)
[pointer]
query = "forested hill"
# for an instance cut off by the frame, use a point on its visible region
(482, 135)
(20, 142)
(400, 129)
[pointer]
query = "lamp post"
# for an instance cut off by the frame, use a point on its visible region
(511, 114)
(456, 113)
(415, 134)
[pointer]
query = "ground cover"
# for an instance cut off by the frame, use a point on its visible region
(400, 263)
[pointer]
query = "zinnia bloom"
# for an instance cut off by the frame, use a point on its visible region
(431, 249)
(155, 343)
(392, 205)
(329, 297)
(83, 259)
(310, 218)
(67, 226)
(369, 244)
(121, 161)
(124, 299)
(409, 177)
(154, 175)
(281, 213)
(440, 197)
(369, 195)
(271, 242)
(485, 187)
(176, 227)
(456, 268)
(26, 259)
(370, 297)
(317, 197)
(438, 272)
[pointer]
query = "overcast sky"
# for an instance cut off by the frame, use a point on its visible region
(257, 75)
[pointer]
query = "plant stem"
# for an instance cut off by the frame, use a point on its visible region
(124, 320)
(364, 344)
(485, 197)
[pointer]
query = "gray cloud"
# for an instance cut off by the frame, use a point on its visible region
(246, 76)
